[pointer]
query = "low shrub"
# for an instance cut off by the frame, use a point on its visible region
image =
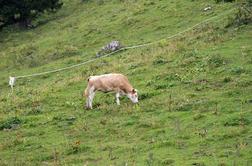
(159, 61)
(243, 15)
(10, 123)
(218, 1)
(216, 61)
(236, 121)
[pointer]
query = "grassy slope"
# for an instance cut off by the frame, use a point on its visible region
(195, 91)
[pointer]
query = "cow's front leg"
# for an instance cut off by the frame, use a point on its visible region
(87, 103)
(91, 98)
(117, 98)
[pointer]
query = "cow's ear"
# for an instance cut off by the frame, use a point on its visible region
(134, 91)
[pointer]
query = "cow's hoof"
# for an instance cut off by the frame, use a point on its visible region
(86, 108)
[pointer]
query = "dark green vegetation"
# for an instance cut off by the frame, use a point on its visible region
(22, 11)
(195, 90)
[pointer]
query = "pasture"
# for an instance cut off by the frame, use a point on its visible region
(195, 90)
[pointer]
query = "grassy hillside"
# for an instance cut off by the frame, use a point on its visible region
(195, 90)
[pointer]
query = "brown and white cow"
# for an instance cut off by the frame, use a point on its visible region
(117, 83)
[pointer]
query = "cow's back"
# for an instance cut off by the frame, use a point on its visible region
(110, 82)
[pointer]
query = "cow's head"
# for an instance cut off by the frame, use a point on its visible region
(133, 96)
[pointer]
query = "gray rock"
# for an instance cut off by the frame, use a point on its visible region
(207, 8)
(112, 46)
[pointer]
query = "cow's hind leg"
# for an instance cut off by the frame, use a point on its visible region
(87, 102)
(89, 93)
(86, 94)
(91, 97)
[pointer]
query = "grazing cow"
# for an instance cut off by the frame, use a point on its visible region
(117, 83)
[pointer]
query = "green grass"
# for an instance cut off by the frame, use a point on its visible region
(195, 90)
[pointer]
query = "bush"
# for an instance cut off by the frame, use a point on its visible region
(10, 123)
(236, 121)
(244, 14)
(216, 61)
(159, 61)
(78, 147)
(238, 70)
(168, 162)
(218, 1)
(146, 95)
(22, 11)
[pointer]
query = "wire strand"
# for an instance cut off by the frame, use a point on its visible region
(124, 48)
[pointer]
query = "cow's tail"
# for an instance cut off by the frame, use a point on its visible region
(85, 93)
